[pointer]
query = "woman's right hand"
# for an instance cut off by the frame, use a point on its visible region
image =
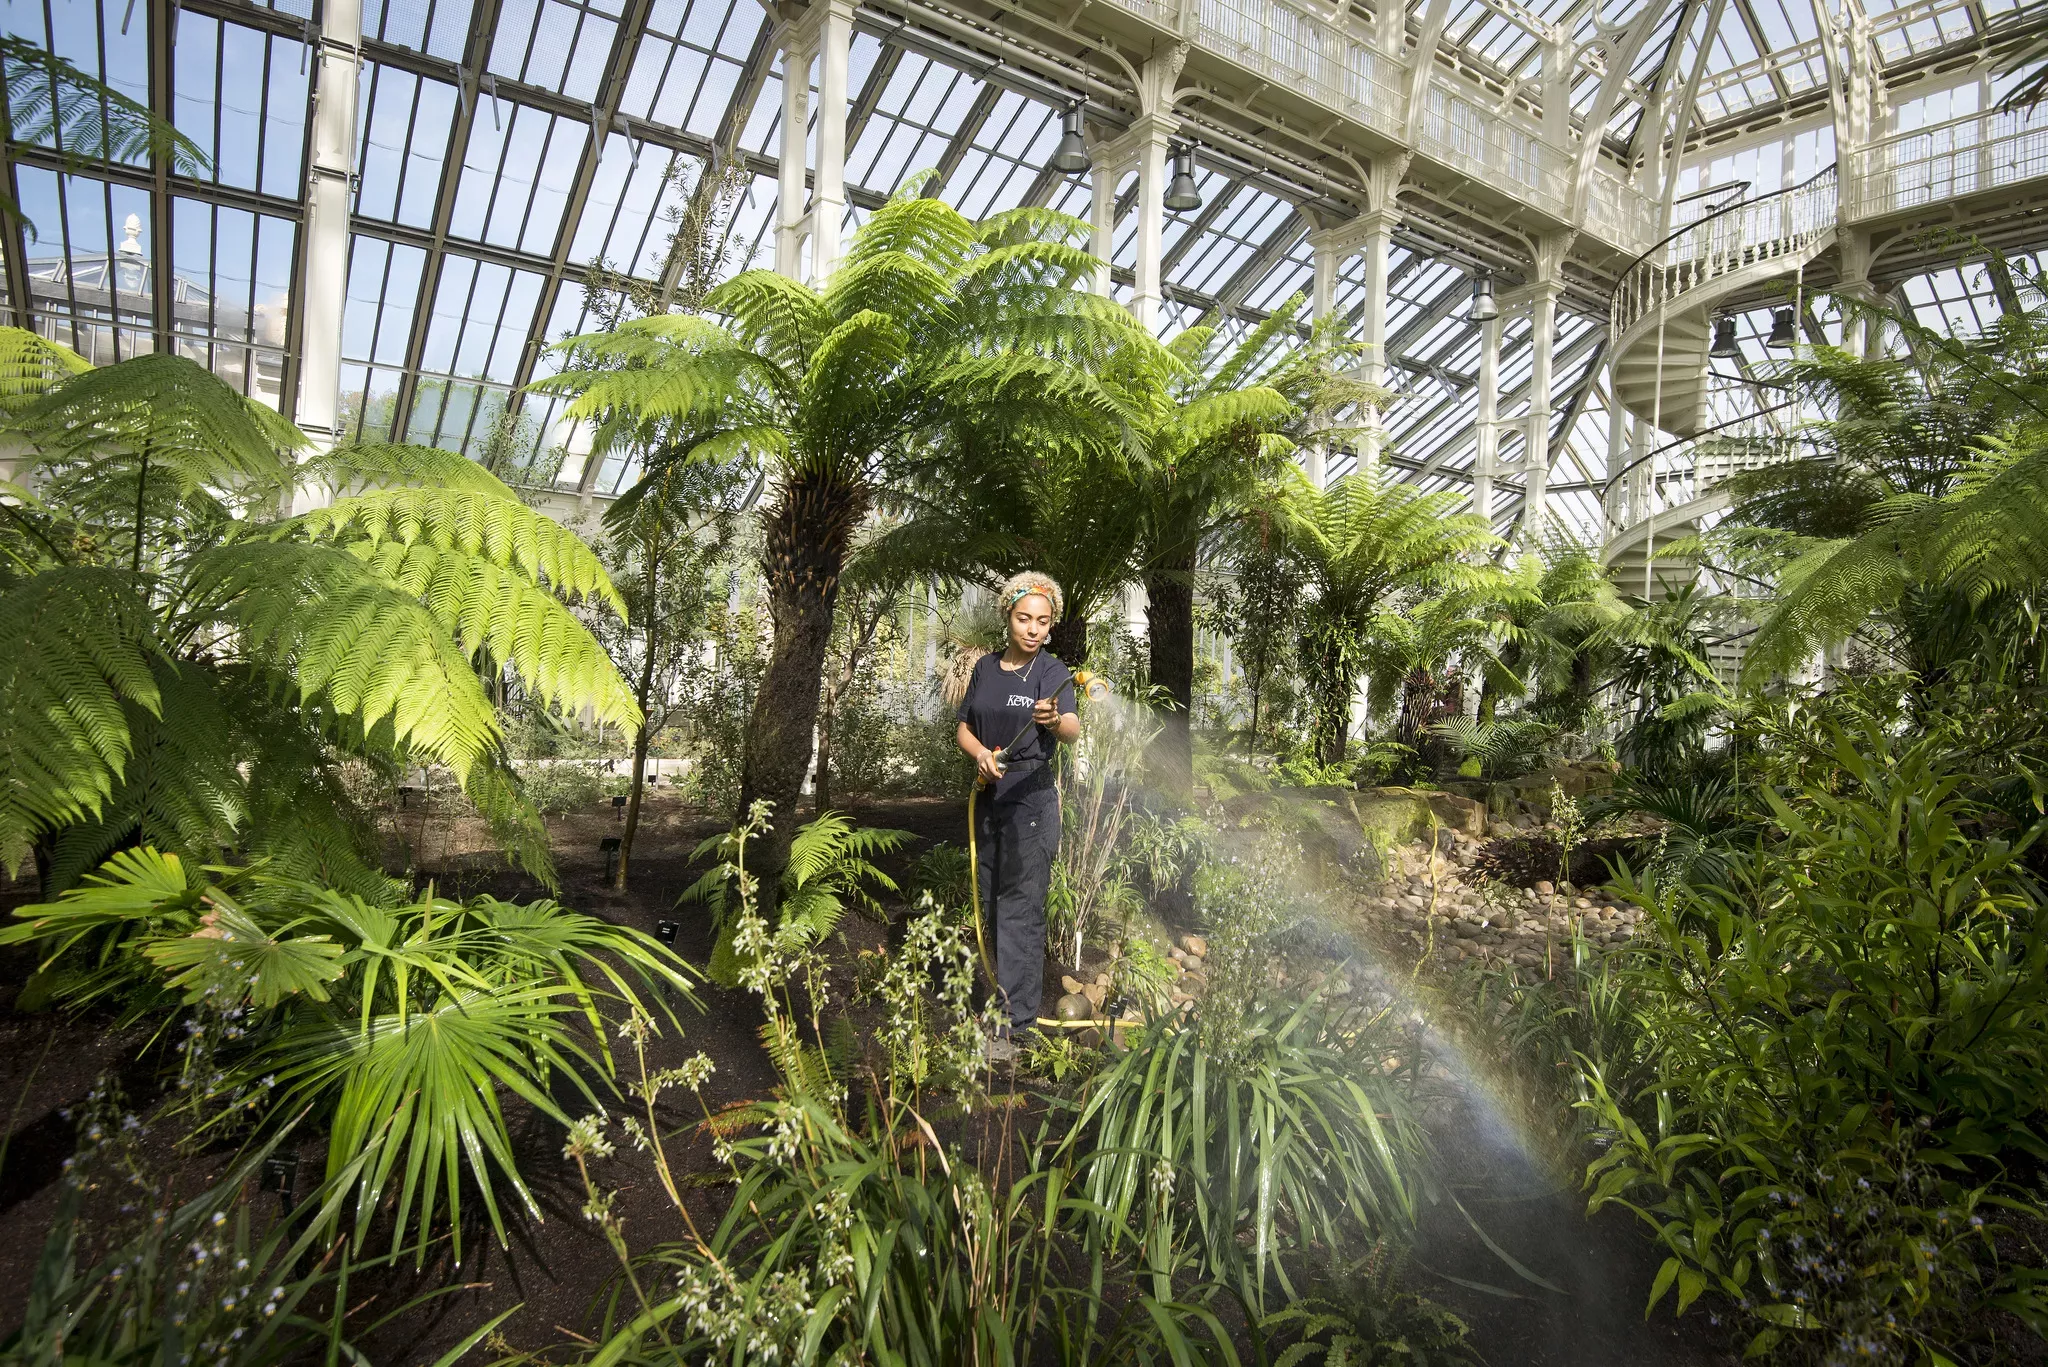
(986, 764)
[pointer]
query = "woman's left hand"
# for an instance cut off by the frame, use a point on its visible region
(1045, 712)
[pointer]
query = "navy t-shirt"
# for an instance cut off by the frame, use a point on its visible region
(999, 702)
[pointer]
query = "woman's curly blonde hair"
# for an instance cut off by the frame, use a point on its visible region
(1028, 582)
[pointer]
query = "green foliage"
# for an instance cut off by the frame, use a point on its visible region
(831, 867)
(1499, 749)
(944, 875)
(183, 667)
(1299, 1136)
(859, 1233)
(398, 1025)
(1359, 542)
(1916, 502)
(1364, 1319)
(1846, 1054)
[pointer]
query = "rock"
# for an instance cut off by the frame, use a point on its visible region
(1195, 945)
(1102, 980)
(1458, 815)
(1177, 954)
(1544, 888)
(1071, 985)
(1074, 1007)
(1096, 993)
(1583, 904)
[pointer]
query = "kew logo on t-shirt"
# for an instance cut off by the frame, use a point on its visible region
(1019, 700)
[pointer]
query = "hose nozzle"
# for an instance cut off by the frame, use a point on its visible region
(1093, 687)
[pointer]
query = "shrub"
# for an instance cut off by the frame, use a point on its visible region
(1524, 860)
(398, 1024)
(1849, 1045)
(563, 785)
(853, 1232)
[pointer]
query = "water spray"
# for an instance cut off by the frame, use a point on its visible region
(1095, 689)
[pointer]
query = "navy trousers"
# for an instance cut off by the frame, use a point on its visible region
(1017, 838)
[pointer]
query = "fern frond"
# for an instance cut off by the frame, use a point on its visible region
(31, 366)
(76, 648)
(500, 531)
(181, 417)
(372, 464)
(487, 607)
(347, 636)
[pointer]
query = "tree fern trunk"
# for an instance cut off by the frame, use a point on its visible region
(1170, 629)
(1069, 640)
(807, 534)
(643, 694)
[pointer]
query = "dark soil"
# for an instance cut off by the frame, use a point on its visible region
(558, 1268)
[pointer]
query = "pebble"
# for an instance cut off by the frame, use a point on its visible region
(1544, 887)
(1195, 945)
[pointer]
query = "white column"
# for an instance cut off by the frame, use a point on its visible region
(796, 118)
(1329, 260)
(1557, 90)
(828, 209)
(1536, 459)
(1617, 449)
(1102, 176)
(1486, 460)
(1641, 478)
(1376, 241)
(327, 222)
(1152, 142)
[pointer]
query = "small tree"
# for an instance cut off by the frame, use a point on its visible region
(1359, 542)
(1255, 605)
(664, 546)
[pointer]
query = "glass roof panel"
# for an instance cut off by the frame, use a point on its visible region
(1005, 157)
(403, 126)
(435, 27)
(516, 176)
(634, 201)
(555, 44)
(252, 126)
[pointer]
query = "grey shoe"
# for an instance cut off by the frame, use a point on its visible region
(1002, 1050)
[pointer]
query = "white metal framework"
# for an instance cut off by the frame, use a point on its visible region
(409, 199)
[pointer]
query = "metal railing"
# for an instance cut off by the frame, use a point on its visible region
(1964, 156)
(1474, 137)
(1299, 49)
(1687, 468)
(1733, 238)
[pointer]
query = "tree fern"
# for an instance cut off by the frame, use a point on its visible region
(493, 530)
(162, 411)
(934, 336)
(175, 654)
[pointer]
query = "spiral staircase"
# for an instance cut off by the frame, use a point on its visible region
(1984, 173)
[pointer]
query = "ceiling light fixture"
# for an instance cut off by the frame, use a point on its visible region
(1725, 346)
(1181, 195)
(1781, 338)
(1485, 308)
(1070, 158)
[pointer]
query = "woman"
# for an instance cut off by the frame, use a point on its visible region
(1023, 689)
